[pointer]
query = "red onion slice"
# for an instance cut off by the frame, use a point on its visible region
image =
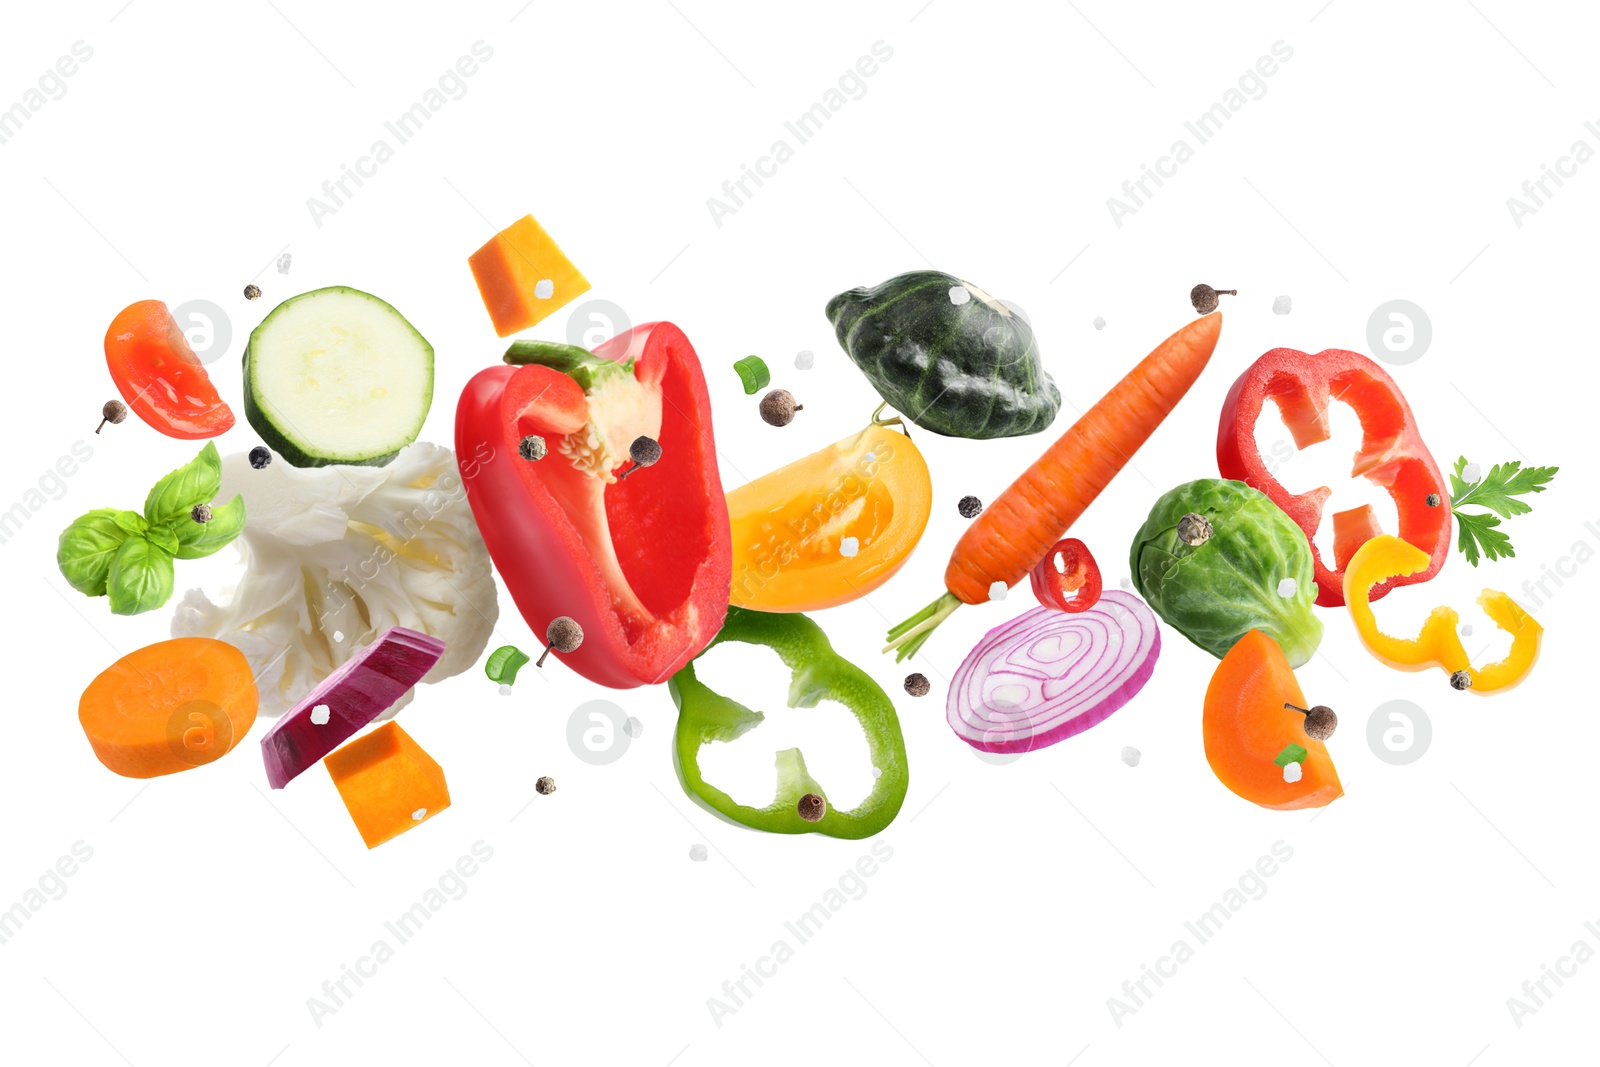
(1047, 675)
(363, 688)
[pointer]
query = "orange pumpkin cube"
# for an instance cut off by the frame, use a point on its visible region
(523, 276)
(388, 783)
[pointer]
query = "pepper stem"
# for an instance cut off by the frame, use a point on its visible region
(910, 635)
(547, 649)
(102, 425)
(1290, 707)
(896, 421)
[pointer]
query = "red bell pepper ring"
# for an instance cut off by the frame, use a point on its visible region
(643, 564)
(1075, 585)
(1392, 454)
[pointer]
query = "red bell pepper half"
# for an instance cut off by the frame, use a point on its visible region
(643, 564)
(1392, 455)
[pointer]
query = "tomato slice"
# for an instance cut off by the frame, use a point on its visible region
(159, 376)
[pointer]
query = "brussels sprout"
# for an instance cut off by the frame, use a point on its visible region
(1217, 589)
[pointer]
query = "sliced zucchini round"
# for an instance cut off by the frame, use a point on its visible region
(337, 376)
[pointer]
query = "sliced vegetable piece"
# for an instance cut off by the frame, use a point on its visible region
(790, 527)
(523, 276)
(159, 375)
(360, 690)
(388, 783)
(169, 707)
(1292, 753)
(753, 374)
(641, 565)
(337, 376)
(1392, 456)
(1439, 642)
(1247, 727)
(504, 663)
(1351, 530)
(1047, 675)
(1067, 578)
(819, 673)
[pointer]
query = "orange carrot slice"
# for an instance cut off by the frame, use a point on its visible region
(169, 707)
(1247, 725)
(388, 783)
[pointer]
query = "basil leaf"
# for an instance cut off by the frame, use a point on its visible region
(86, 549)
(130, 522)
(196, 482)
(141, 577)
(198, 539)
(164, 538)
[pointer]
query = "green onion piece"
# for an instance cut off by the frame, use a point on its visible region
(503, 664)
(1291, 754)
(753, 374)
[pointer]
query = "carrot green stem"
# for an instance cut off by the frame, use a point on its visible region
(909, 636)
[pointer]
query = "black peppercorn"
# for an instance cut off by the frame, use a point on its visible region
(260, 456)
(201, 513)
(812, 808)
(252, 292)
(645, 452)
(113, 412)
(1194, 529)
(564, 635)
(1204, 298)
(970, 507)
(917, 685)
(545, 786)
(532, 448)
(778, 407)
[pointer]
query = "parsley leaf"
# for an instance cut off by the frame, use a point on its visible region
(1498, 491)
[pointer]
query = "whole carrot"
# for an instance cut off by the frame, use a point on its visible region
(1017, 530)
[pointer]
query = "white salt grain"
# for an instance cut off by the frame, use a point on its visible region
(959, 295)
(998, 590)
(545, 289)
(319, 714)
(849, 546)
(633, 727)
(1130, 756)
(1287, 588)
(698, 853)
(805, 360)
(1291, 772)
(1099, 323)
(1282, 306)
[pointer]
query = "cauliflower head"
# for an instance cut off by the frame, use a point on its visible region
(336, 555)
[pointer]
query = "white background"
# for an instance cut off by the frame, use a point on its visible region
(1019, 897)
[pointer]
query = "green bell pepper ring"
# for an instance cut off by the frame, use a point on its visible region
(818, 673)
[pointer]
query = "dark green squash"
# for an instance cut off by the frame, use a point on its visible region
(963, 370)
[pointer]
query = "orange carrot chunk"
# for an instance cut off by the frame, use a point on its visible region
(169, 707)
(388, 783)
(523, 276)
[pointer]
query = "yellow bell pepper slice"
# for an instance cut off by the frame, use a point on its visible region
(1439, 644)
(830, 527)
